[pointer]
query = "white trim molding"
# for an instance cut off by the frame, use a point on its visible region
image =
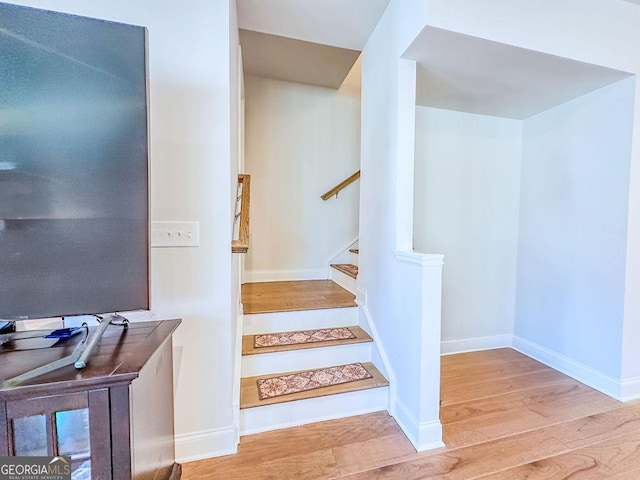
(630, 389)
(206, 444)
(421, 422)
(423, 436)
(579, 371)
(286, 275)
(361, 297)
(463, 345)
(366, 322)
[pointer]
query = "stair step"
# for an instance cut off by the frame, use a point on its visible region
(344, 274)
(263, 361)
(249, 388)
(354, 256)
(346, 268)
(271, 297)
(311, 410)
(299, 320)
(249, 348)
(306, 358)
(302, 306)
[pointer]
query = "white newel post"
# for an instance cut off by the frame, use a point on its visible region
(430, 428)
(426, 432)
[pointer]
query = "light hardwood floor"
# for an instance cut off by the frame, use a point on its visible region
(267, 297)
(505, 417)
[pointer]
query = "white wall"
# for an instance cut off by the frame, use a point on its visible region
(392, 282)
(593, 31)
(301, 140)
(192, 46)
(467, 180)
(573, 227)
(586, 30)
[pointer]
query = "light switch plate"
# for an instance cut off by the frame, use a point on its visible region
(175, 234)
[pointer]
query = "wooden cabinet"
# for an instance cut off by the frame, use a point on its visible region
(114, 418)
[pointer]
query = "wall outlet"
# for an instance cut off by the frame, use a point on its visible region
(175, 234)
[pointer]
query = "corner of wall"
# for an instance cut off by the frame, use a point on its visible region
(630, 389)
(423, 436)
(462, 345)
(591, 377)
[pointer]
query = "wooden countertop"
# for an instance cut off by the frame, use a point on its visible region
(118, 358)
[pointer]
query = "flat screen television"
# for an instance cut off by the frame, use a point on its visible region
(74, 236)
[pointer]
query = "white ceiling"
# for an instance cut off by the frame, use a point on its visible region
(470, 74)
(305, 41)
(294, 60)
(316, 42)
(339, 23)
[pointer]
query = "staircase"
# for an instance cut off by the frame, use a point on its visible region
(310, 310)
(346, 274)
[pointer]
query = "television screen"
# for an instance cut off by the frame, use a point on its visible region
(73, 165)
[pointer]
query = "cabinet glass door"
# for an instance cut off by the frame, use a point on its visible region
(73, 440)
(30, 436)
(52, 426)
(70, 436)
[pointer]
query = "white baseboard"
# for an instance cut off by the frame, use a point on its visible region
(251, 276)
(423, 436)
(361, 297)
(623, 390)
(206, 444)
(450, 347)
(312, 410)
(630, 389)
(579, 371)
(378, 354)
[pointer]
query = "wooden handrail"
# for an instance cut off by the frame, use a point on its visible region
(241, 244)
(345, 183)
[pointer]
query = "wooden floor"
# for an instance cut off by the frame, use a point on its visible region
(267, 297)
(505, 417)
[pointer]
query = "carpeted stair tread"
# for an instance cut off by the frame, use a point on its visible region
(249, 388)
(249, 348)
(311, 380)
(346, 268)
